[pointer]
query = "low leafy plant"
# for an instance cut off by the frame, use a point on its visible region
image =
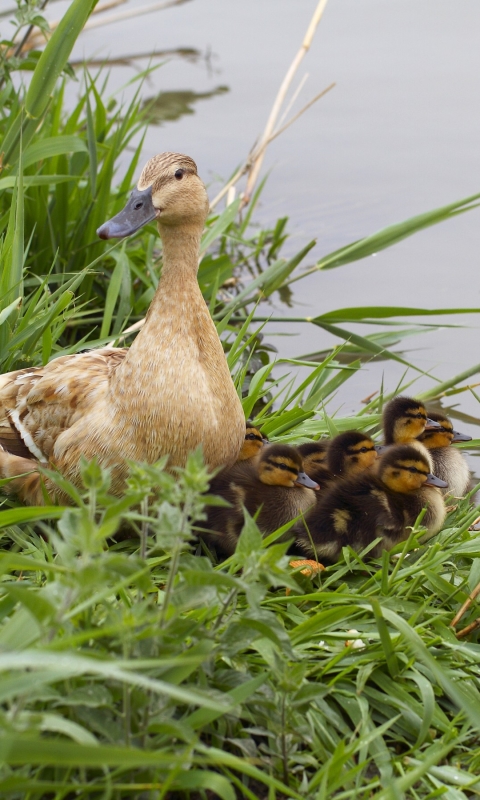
(131, 665)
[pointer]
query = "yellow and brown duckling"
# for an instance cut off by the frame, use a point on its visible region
(404, 420)
(251, 448)
(358, 510)
(253, 443)
(314, 455)
(345, 455)
(350, 453)
(275, 483)
(448, 463)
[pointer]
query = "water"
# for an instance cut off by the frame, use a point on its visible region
(397, 136)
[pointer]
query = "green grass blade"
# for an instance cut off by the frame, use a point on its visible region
(54, 58)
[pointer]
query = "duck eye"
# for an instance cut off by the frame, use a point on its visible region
(412, 469)
(179, 174)
(250, 436)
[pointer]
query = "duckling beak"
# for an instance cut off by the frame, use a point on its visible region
(304, 480)
(431, 425)
(460, 437)
(381, 448)
(138, 211)
(432, 480)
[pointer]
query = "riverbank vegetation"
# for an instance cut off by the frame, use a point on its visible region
(130, 664)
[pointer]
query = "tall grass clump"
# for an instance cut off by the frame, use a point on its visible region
(132, 665)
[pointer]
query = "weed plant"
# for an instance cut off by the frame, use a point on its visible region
(132, 665)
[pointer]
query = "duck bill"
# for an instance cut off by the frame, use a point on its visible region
(431, 425)
(381, 449)
(138, 211)
(432, 480)
(461, 437)
(304, 480)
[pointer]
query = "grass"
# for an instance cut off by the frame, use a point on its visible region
(130, 664)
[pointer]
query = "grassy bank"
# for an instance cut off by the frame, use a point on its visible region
(132, 667)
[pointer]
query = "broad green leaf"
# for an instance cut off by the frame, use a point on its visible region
(52, 146)
(394, 233)
(54, 58)
(37, 180)
(17, 516)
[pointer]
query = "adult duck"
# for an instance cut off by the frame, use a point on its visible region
(170, 392)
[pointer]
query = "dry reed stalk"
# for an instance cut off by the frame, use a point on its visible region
(465, 631)
(280, 98)
(254, 160)
(471, 597)
(255, 152)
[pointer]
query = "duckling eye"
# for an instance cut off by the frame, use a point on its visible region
(179, 174)
(364, 449)
(413, 469)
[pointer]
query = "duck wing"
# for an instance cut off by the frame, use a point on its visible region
(38, 404)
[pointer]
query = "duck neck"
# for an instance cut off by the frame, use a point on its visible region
(181, 246)
(174, 305)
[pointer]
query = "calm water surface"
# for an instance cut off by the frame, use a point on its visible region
(399, 135)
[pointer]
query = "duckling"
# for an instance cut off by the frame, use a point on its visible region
(350, 453)
(343, 456)
(448, 462)
(170, 392)
(253, 443)
(358, 510)
(404, 420)
(314, 455)
(275, 483)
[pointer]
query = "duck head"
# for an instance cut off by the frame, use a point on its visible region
(442, 436)
(253, 443)
(405, 419)
(281, 465)
(404, 469)
(350, 453)
(168, 190)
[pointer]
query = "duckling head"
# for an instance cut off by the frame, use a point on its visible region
(168, 190)
(314, 454)
(405, 469)
(281, 465)
(253, 443)
(350, 453)
(442, 436)
(405, 419)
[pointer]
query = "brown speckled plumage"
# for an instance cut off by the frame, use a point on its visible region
(168, 393)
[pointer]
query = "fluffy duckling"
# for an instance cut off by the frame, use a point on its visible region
(251, 448)
(350, 453)
(448, 463)
(314, 455)
(346, 455)
(358, 510)
(404, 420)
(274, 482)
(253, 443)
